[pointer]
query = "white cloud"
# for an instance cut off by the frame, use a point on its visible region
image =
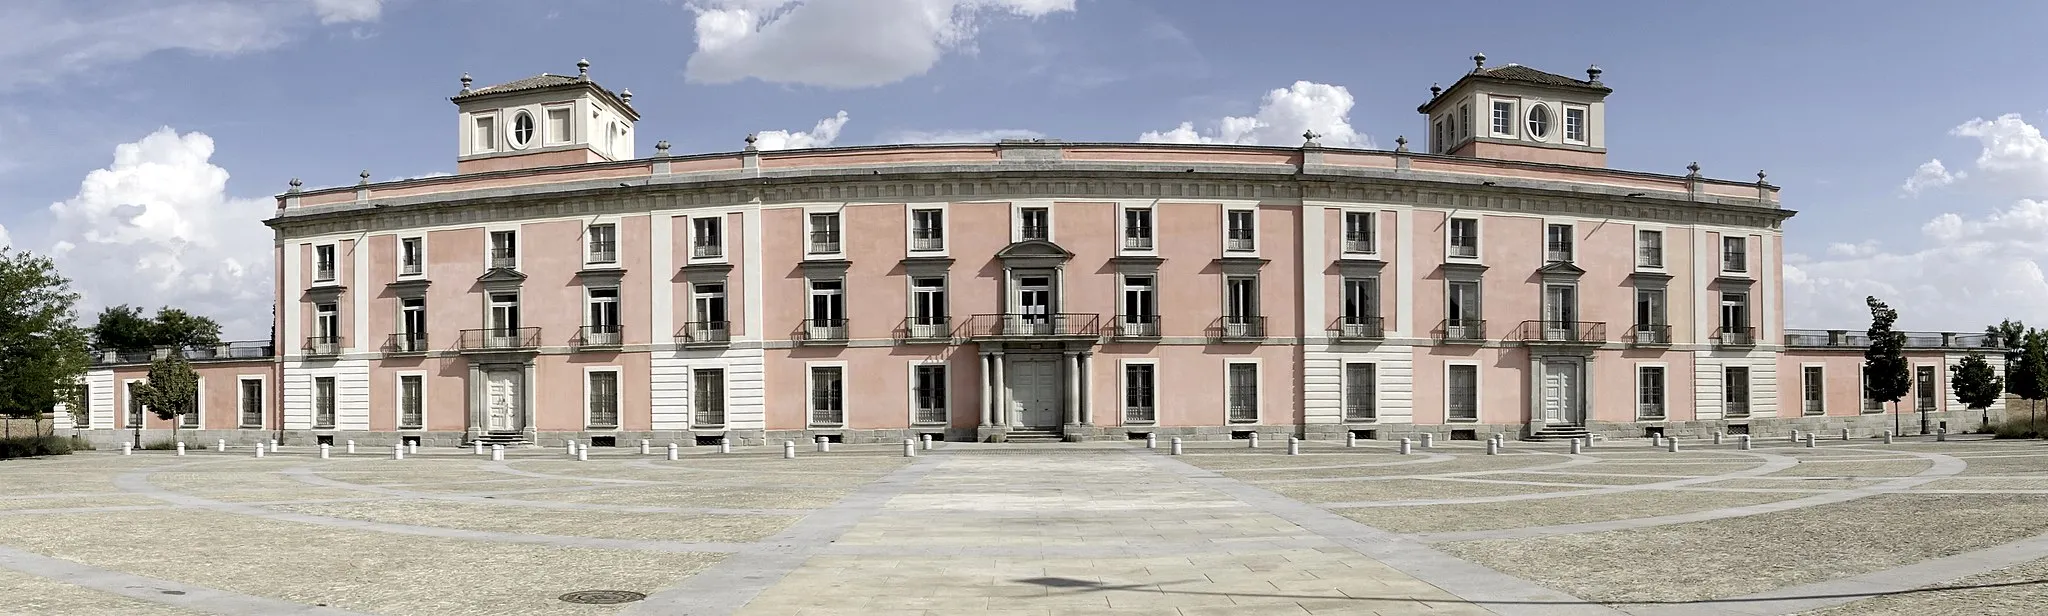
(46, 40)
(960, 136)
(1281, 119)
(2014, 156)
(839, 43)
(1970, 272)
(1864, 249)
(822, 135)
(1931, 174)
(6, 241)
(347, 11)
(157, 227)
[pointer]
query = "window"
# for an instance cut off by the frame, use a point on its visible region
(928, 393)
(1241, 307)
(709, 397)
(707, 305)
(1138, 228)
(1140, 310)
(504, 317)
(1575, 124)
(1034, 223)
(603, 327)
(1141, 402)
(135, 408)
(604, 243)
(1650, 249)
(323, 402)
(252, 403)
(1557, 243)
(412, 256)
(1461, 392)
(927, 230)
(323, 263)
(1464, 122)
(190, 418)
(1462, 299)
(825, 233)
(505, 249)
(1450, 133)
(1239, 229)
(707, 237)
(1735, 316)
(1361, 307)
(1539, 121)
(1925, 387)
(1870, 403)
(1650, 316)
(1242, 382)
(828, 395)
(1735, 390)
(1464, 238)
(1359, 233)
(828, 308)
(1436, 138)
(1650, 392)
(1733, 257)
(1560, 311)
(1360, 393)
(326, 324)
(486, 134)
(1503, 118)
(928, 318)
(522, 130)
(1812, 384)
(603, 396)
(411, 402)
(412, 324)
(558, 125)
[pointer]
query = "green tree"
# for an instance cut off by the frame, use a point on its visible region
(125, 328)
(2007, 334)
(1976, 385)
(42, 349)
(171, 392)
(2027, 375)
(177, 328)
(1884, 363)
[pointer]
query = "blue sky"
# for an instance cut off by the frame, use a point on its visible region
(1841, 106)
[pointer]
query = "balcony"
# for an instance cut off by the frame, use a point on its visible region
(1464, 251)
(402, 344)
(1649, 335)
(1238, 244)
(1358, 328)
(824, 247)
(707, 251)
(927, 244)
(504, 259)
(597, 337)
(1035, 325)
(604, 252)
(499, 339)
(1465, 331)
(323, 346)
(1239, 327)
(821, 331)
(1135, 327)
(705, 333)
(323, 274)
(411, 269)
(1735, 337)
(1561, 332)
(1132, 242)
(926, 329)
(1359, 245)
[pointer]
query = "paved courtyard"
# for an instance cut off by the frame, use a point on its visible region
(1848, 527)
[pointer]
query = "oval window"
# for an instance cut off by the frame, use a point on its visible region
(1539, 121)
(522, 129)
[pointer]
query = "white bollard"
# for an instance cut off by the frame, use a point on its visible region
(674, 453)
(925, 441)
(1589, 441)
(1940, 435)
(1293, 446)
(412, 447)
(1255, 440)
(1809, 440)
(644, 447)
(326, 451)
(476, 448)
(1795, 436)
(909, 448)
(1405, 448)
(1176, 446)
(1887, 437)
(497, 453)
(181, 448)
(397, 451)
(259, 449)
(1717, 437)
(220, 445)
(128, 449)
(725, 445)
(1656, 440)
(1578, 447)
(1500, 440)
(823, 445)
(351, 447)
(1351, 439)
(583, 453)
(1428, 440)
(572, 448)
(1845, 434)
(789, 450)
(1492, 447)
(1671, 445)
(1151, 441)
(1745, 443)
(273, 445)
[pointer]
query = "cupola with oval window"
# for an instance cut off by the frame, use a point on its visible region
(1514, 112)
(542, 121)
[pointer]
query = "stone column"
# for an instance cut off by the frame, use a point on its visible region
(1073, 397)
(1087, 364)
(527, 383)
(988, 405)
(1001, 393)
(476, 402)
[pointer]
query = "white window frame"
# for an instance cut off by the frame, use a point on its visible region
(518, 244)
(692, 231)
(911, 293)
(477, 143)
(1123, 385)
(1344, 391)
(619, 382)
(198, 413)
(618, 305)
(1436, 137)
(334, 277)
(1373, 239)
(422, 240)
(840, 213)
(1663, 248)
(1051, 219)
(398, 399)
(322, 318)
(1464, 122)
(1585, 124)
(1723, 253)
(1258, 389)
(512, 130)
(1866, 405)
(1663, 396)
(590, 241)
(547, 115)
(130, 418)
(811, 388)
(910, 390)
(262, 400)
(1571, 240)
(1748, 391)
(1478, 239)
(1151, 209)
(1803, 367)
(1478, 391)
(1224, 238)
(335, 391)
(1513, 117)
(1550, 121)
(724, 396)
(910, 229)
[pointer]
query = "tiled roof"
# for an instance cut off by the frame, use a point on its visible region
(1517, 72)
(535, 82)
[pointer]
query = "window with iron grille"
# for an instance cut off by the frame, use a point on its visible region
(252, 403)
(707, 237)
(1359, 236)
(1649, 248)
(928, 229)
(1240, 227)
(828, 395)
(928, 393)
(1140, 399)
(504, 249)
(1465, 238)
(1034, 223)
(1361, 303)
(412, 402)
(1361, 393)
(824, 233)
(604, 243)
(1557, 243)
(323, 402)
(1138, 228)
(1735, 390)
(1461, 392)
(1813, 381)
(1734, 254)
(604, 399)
(709, 386)
(1650, 392)
(1243, 392)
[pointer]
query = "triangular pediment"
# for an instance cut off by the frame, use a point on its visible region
(500, 275)
(1560, 268)
(1033, 249)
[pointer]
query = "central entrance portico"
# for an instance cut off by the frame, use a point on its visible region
(1034, 357)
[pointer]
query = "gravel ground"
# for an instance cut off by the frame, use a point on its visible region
(1992, 482)
(1398, 490)
(73, 502)
(605, 525)
(1653, 468)
(1551, 512)
(2014, 591)
(1793, 483)
(1245, 460)
(2007, 466)
(1564, 477)
(20, 481)
(1885, 468)
(755, 497)
(1463, 464)
(1693, 561)
(26, 594)
(361, 571)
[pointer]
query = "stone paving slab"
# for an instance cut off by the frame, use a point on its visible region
(1865, 468)
(1572, 510)
(28, 595)
(1400, 490)
(608, 525)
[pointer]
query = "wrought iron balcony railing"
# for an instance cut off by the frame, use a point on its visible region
(1469, 331)
(1649, 335)
(926, 329)
(1735, 337)
(504, 259)
(1358, 327)
(1135, 327)
(500, 339)
(1034, 325)
(598, 337)
(323, 346)
(821, 331)
(1137, 243)
(1562, 332)
(707, 251)
(406, 343)
(925, 244)
(1238, 327)
(705, 333)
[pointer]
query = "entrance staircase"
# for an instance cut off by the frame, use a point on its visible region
(1033, 435)
(509, 438)
(1558, 433)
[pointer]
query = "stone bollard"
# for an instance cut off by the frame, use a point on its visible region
(675, 452)
(1578, 447)
(1795, 436)
(397, 452)
(643, 447)
(909, 448)
(220, 445)
(412, 447)
(824, 444)
(583, 453)
(1656, 440)
(127, 449)
(1887, 437)
(1745, 443)
(1845, 434)
(1405, 449)
(1428, 440)
(259, 449)
(1492, 447)
(273, 446)
(476, 448)
(1293, 446)
(1500, 440)
(326, 451)
(925, 442)
(572, 447)
(725, 444)
(1176, 446)
(351, 447)
(789, 450)
(1671, 445)
(181, 448)
(1255, 440)
(1717, 436)
(1589, 441)
(1809, 440)
(497, 453)
(1351, 439)
(1151, 441)
(1940, 435)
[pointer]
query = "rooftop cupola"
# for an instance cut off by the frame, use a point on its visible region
(1513, 112)
(542, 121)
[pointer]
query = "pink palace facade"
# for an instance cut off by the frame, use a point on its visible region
(1495, 278)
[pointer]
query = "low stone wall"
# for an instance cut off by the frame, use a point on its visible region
(26, 427)
(1859, 426)
(238, 439)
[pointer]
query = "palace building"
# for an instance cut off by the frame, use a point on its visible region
(1496, 278)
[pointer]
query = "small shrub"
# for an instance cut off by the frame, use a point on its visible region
(31, 446)
(2016, 427)
(160, 446)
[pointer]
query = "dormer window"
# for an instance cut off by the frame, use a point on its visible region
(1539, 121)
(1503, 118)
(486, 133)
(1575, 124)
(558, 125)
(522, 130)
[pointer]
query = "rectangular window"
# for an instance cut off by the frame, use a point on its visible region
(1462, 300)
(1140, 309)
(1436, 138)
(412, 402)
(251, 401)
(1650, 316)
(486, 134)
(1557, 243)
(505, 249)
(1361, 394)
(1241, 316)
(1243, 386)
(1870, 403)
(1734, 257)
(134, 405)
(828, 396)
(558, 126)
(1735, 317)
(412, 256)
(709, 397)
(1239, 229)
(323, 263)
(604, 399)
(1034, 223)
(928, 393)
(928, 318)
(1925, 387)
(504, 317)
(326, 330)
(1464, 240)
(1140, 398)
(1575, 124)
(828, 309)
(323, 402)
(1812, 384)
(824, 233)
(603, 327)
(1735, 390)
(1503, 118)
(412, 324)
(1359, 233)
(707, 305)
(190, 418)
(707, 237)
(1464, 122)
(1361, 307)
(1650, 249)
(927, 230)
(1138, 228)
(1461, 392)
(604, 243)
(1650, 392)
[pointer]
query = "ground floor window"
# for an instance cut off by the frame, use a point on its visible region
(411, 402)
(1650, 392)
(1735, 390)
(1242, 383)
(1140, 399)
(323, 402)
(1811, 389)
(710, 397)
(928, 393)
(1360, 393)
(828, 395)
(603, 394)
(134, 405)
(252, 403)
(1461, 392)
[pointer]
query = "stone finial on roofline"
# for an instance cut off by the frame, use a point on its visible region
(1693, 170)
(1593, 74)
(1435, 90)
(365, 175)
(1478, 61)
(583, 69)
(1308, 139)
(295, 184)
(466, 81)
(661, 148)
(750, 141)
(626, 96)
(1760, 177)
(1401, 143)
